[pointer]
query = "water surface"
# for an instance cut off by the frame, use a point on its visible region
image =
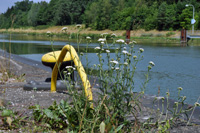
(175, 66)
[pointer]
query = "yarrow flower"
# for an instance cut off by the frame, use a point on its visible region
(134, 57)
(125, 63)
(176, 103)
(69, 67)
(104, 34)
(141, 50)
(78, 26)
(97, 48)
(69, 73)
(107, 51)
(64, 29)
(158, 98)
(167, 93)
(151, 63)
(125, 52)
(180, 88)
(120, 41)
(196, 104)
(117, 68)
(184, 98)
(101, 40)
(113, 35)
(89, 38)
(48, 33)
(115, 62)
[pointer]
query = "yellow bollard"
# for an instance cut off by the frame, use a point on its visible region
(80, 69)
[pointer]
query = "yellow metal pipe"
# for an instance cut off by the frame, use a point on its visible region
(80, 69)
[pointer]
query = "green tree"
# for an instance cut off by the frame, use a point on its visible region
(42, 16)
(150, 22)
(32, 14)
(166, 16)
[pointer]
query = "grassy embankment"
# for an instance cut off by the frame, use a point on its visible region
(141, 36)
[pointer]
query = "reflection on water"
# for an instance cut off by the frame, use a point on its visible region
(175, 66)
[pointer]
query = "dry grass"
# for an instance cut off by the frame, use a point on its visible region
(73, 29)
(8, 75)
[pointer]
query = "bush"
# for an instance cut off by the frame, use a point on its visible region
(41, 27)
(170, 34)
(146, 35)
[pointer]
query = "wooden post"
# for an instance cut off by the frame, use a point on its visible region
(128, 36)
(183, 37)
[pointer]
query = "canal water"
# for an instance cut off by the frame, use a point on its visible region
(175, 66)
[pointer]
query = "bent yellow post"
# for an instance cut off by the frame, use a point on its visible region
(80, 69)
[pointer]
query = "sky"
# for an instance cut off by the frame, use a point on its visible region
(4, 4)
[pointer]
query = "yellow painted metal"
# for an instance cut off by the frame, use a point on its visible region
(80, 69)
(51, 57)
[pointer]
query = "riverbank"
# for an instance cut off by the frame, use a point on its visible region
(74, 29)
(141, 36)
(162, 38)
(19, 100)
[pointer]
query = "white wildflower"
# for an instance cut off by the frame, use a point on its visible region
(69, 67)
(125, 52)
(104, 34)
(151, 63)
(124, 48)
(141, 50)
(48, 32)
(196, 104)
(78, 26)
(176, 103)
(184, 98)
(125, 63)
(89, 38)
(115, 62)
(107, 51)
(97, 48)
(180, 88)
(134, 57)
(117, 68)
(113, 35)
(120, 41)
(101, 40)
(158, 98)
(64, 29)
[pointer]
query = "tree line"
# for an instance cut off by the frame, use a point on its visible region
(104, 14)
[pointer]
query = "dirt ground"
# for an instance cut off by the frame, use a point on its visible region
(15, 97)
